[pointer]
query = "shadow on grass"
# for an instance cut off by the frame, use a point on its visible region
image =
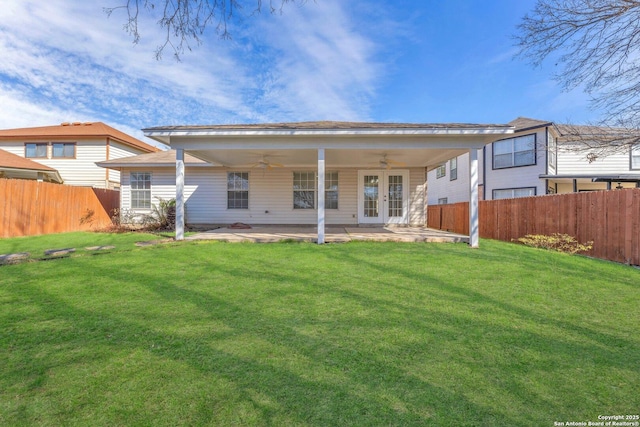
(317, 364)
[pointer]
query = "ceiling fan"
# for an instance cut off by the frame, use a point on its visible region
(388, 163)
(266, 164)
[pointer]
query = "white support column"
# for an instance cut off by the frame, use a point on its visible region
(474, 229)
(179, 194)
(320, 196)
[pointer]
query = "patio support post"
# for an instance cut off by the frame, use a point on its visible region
(474, 229)
(320, 196)
(179, 194)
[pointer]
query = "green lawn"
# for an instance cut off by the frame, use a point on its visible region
(299, 334)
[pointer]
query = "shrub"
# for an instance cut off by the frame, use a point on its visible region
(556, 242)
(162, 216)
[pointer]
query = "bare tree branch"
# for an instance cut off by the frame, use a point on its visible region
(596, 44)
(186, 21)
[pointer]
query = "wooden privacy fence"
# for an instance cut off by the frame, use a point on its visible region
(30, 208)
(611, 219)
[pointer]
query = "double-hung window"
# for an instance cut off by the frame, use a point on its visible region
(331, 190)
(33, 150)
(635, 157)
(441, 171)
(65, 150)
(140, 190)
(511, 193)
(238, 190)
(512, 152)
(453, 169)
(304, 190)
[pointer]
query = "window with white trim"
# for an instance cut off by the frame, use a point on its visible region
(443, 200)
(514, 152)
(35, 150)
(331, 190)
(304, 190)
(441, 171)
(512, 193)
(140, 190)
(237, 190)
(552, 150)
(635, 157)
(65, 150)
(453, 169)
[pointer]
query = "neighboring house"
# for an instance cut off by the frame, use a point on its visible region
(533, 161)
(73, 149)
(298, 173)
(15, 167)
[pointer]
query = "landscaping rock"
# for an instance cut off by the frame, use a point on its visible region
(14, 258)
(59, 252)
(100, 248)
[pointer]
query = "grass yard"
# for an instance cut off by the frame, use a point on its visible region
(299, 334)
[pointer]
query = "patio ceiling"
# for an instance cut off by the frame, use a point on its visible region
(334, 158)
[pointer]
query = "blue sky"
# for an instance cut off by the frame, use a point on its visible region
(359, 60)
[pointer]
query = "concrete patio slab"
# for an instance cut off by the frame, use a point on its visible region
(333, 234)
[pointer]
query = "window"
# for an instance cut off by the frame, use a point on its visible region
(140, 190)
(453, 169)
(511, 193)
(552, 152)
(443, 200)
(331, 190)
(238, 190)
(441, 171)
(63, 150)
(304, 190)
(512, 152)
(35, 150)
(635, 157)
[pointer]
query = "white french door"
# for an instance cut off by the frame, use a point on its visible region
(383, 197)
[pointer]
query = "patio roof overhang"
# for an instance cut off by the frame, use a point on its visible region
(347, 144)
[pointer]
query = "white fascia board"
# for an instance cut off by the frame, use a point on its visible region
(166, 135)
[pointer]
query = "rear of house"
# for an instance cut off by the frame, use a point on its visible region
(315, 173)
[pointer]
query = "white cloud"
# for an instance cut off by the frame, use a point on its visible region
(69, 59)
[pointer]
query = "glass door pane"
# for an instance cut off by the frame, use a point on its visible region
(371, 196)
(394, 196)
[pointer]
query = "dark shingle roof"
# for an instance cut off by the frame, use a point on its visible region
(160, 158)
(524, 123)
(325, 125)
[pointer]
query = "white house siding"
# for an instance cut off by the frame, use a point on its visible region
(521, 176)
(14, 148)
(572, 163)
(270, 196)
(417, 196)
(81, 170)
(455, 191)
(117, 151)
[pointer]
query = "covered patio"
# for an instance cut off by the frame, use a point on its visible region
(333, 234)
(322, 174)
